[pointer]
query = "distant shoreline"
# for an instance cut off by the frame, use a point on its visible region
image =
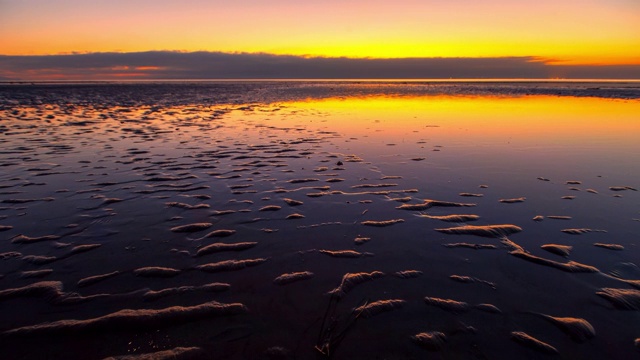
(337, 80)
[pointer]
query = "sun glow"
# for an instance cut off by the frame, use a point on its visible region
(540, 119)
(569, 32)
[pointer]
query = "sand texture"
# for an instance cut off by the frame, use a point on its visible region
(319, 220)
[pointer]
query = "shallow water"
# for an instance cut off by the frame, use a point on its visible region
(121, 165)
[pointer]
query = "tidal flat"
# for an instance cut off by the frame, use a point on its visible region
(298, 220)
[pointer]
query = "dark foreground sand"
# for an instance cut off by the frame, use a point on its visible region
(159, 222)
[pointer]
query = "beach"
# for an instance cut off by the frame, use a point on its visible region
(297, 220)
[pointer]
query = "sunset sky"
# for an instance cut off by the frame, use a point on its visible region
(592, 33)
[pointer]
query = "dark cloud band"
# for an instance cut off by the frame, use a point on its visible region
(216, 65)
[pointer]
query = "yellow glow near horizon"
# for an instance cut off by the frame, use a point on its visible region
(572, 31)
(529, 119)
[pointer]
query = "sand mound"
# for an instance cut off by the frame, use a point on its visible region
(97, 278)
(229, 265)
(382, 223)
(219, 247)
(623, 299)
(407, 274)
(579, 330)
(532, 343)
(292, 277)
(433, 340)
(156, 271)
(143, 319)
(453, 306)
(152, 295)
(378, 307)
(433, 203)
(570, 266)
(452, 218)
(49, 290)
(562, 250)
(491, 231)
(350, 280)
(191, 227)
(179, 353)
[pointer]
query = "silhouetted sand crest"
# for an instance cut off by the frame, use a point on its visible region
(432, 341)
(142, 318)
(562, 250)
(219, 247)
(559, 217)
(449, 305)
(217, 234)
(490, 308)
(24, 201)
(299, 181)
(610, 246)
(97, 278)
(452, 218)
(579, 330)
(469, 279)
(187, 206)
(571, 266)
(293, 277)
(377, 307)
(623, 299)
(294, 216)
(532, 343)
(10, 255)
(361, 240)
(23, 239)
(433, 203)
(153, 295)
(178, 353)
(292, 202)
(48, 290)
(344, 253)
(491, 231)
(369, 186)
(38, 259)
(270, 208)
(382, 223)
(581, 231)
(513, 201)
(35, 273)
(222, 212)
(156, 271)
(407, 274)
(229, 265)
(83, 248)
(191, 227)
(622, 188)
(401, 199)
(350, 280)
(471, 246)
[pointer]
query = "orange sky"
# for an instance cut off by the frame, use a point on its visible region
(569, 31)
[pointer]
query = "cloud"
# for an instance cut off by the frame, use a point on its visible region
(217, 65)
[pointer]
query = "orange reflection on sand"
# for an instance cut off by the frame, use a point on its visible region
(530, 119)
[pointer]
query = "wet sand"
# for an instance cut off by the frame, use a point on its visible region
(343, 221)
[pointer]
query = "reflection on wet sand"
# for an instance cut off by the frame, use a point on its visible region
(301, 227)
